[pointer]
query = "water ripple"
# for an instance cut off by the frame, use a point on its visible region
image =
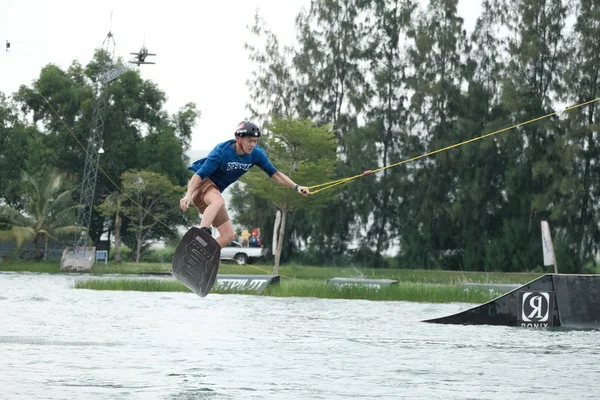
(60, 342)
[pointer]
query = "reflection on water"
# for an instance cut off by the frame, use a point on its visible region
(62, 343)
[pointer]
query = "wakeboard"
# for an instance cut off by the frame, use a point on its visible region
(196, 261)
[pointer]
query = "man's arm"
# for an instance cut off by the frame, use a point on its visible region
(185, 201)
(284, 180)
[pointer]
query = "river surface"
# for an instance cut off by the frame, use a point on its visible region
(57, 342)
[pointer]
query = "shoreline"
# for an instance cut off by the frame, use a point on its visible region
(432, 286)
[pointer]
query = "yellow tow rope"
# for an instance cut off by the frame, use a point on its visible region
(331, 184)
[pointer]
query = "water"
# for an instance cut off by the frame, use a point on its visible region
(57, 342)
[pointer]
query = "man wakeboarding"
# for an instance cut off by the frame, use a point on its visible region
(196, 259)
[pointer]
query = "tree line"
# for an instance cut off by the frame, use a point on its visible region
(368, 84)
(44, 130)
(142, 172)
(399, 78)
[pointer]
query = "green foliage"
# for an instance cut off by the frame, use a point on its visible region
(163, 256)
(148, 200)
(126, 253)
(47, 267)
(161, 151)
(417, 82)
(49, 212)
(138, 133)
(183, 121)
(383, 139)
(275, 92)
(536, 159)
(393, 80)
(313, 256)
(303, 152)
(19, 150)
(400, 292)
(579, 148)
(331, 86)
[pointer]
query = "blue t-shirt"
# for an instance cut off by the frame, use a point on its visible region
(223, 166)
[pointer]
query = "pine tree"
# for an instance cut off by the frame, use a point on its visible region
(537, 59)
(437, 60)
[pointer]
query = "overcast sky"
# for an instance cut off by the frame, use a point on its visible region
(200, 59)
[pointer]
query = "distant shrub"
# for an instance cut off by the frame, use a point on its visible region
(126, 253)
(164, 255)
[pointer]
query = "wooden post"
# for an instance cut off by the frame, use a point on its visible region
(548, 247)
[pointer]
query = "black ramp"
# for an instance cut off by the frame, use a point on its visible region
(570, 301)
(504, 310)
(196, 261)
(578, 299)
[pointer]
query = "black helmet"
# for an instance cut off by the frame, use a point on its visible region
(247, 128)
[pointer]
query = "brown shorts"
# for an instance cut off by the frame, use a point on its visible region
(198, 199)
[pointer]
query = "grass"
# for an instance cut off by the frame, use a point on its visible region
(399, 292)
(305, 281)
(49, 267)
(295, 271)
(314, 288)
(116, 268)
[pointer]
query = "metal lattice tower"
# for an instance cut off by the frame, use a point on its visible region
(109, 72)
(90, 172)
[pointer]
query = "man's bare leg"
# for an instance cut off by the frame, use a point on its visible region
(226, 233)
(216, 214)
(215, 203)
